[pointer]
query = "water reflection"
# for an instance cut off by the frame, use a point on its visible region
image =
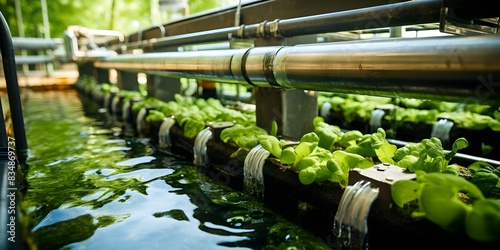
(91, 189)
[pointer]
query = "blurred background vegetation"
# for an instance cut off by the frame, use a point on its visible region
(126, 16)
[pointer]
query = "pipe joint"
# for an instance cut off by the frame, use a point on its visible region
(258, 66)
(241, 31)
(261, 30)
(274, 28)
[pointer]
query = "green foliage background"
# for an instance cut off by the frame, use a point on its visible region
(126, 16)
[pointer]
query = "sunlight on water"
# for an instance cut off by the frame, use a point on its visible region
(134, 161)
(101, 190)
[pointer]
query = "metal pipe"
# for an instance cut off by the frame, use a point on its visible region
(19, 18)
(454, 68)
(94, 32)
(214, 65)
(45, 19)
(20, 27)
(397, 14)
(30, 43)
(192, 38)
(20, 60)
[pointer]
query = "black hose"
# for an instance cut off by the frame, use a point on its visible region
(3, 130)
(9, 67)
(10, 226)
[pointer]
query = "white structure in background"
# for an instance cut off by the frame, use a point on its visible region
(174, 9)
(171, 10)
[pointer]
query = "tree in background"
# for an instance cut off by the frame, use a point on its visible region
(126, 16)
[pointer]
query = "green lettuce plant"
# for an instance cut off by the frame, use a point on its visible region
(486, 178)
(428, 155)
(242, 136)
(440, 200)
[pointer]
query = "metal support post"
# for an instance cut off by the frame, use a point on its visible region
(86, 69)
(292, 109)
(163, 88)
(127, 80)
(102, 75)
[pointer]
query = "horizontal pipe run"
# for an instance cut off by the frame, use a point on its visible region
(390, 15)
(452, 68)
(214, 65)
(194, 38)
(397, 14)
(30, 43)
(33, 59)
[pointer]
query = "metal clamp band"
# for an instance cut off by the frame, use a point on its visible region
(240, 32)
(162, 29)
(261, 31)
(274, 28)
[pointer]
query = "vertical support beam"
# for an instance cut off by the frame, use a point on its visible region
(127, 80)
(101, 75)
(397, 31)
(293, 110)
(49, 67)
(20, 27)
(86, 69)
(163, 88)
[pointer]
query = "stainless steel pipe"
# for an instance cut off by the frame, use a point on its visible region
(389, 15)
(214, 65)
(459, 69)
(33, 59)
(453, 68)
(31, 43)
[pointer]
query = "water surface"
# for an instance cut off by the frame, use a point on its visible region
(94, 185)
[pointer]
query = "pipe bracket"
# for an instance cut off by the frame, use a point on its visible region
(274, 28)
(261, 30)
(241, 31)
(162, 30)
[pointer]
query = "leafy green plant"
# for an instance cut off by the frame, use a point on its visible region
(440, 200)
(486, 178)
(242, 136)
(192, 114)
(155, 116)
(313, 163)
(470, 116)
(326, 133)
(483, 222)
(428, 155)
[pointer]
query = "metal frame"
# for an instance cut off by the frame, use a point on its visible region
(380, 16)
(251, 13)
(453, 68)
